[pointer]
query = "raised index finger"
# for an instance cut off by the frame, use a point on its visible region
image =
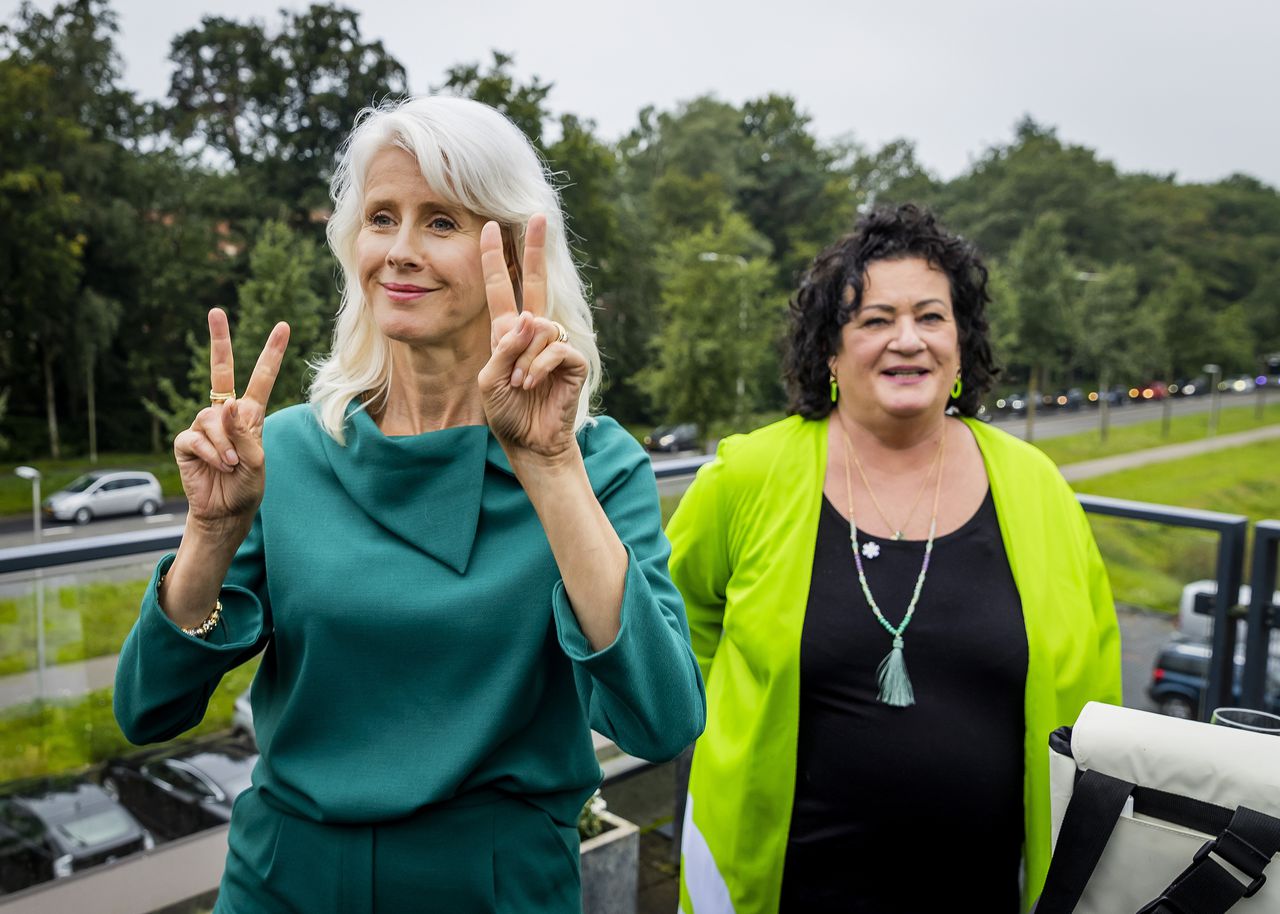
(222, 375)
(535, 265)
(268, 367)
(497, 281)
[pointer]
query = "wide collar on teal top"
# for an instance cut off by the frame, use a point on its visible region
(426, 489)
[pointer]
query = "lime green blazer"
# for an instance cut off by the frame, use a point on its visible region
(742, 554)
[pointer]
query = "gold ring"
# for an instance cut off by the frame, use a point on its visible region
(217, 397)
(563, 336)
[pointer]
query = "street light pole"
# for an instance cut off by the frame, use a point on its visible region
(33, 474)
(1215, 396)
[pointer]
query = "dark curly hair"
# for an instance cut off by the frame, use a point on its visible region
(821, 306)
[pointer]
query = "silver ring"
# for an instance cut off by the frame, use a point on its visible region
(563, 336)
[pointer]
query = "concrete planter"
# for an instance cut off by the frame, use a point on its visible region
(610, 868)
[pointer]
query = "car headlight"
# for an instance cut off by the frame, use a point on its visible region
(666, 440)
(148, 842)
(62, 867)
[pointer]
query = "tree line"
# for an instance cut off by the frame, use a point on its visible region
(123, 220)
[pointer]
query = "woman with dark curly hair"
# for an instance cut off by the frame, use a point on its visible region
(892, 603)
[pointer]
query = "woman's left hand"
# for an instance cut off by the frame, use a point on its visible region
(532, 381)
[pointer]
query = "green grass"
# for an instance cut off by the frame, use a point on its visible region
(15, 492)
(54, 736)
(1149, 565)
(80, 621)
(1145, 435)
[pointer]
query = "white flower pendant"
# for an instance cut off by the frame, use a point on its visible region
(870, 550)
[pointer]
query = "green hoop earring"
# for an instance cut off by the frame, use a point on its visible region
(835, 391)
(957, 388)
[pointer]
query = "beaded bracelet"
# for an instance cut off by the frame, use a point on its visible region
(202, 630)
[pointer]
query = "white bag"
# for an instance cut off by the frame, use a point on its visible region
(1162, 816)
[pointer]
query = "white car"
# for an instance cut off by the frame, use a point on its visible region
(103, 493)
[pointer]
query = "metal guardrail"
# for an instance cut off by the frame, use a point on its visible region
(1231, 530)
(1263, 615)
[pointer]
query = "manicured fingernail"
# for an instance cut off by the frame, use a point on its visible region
(528, 382)
(517, 376)
(231, 457)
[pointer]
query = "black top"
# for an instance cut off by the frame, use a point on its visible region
(918, 808)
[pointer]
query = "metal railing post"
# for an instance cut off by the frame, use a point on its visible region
(1262, 614)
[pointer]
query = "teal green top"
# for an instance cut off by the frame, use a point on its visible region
(417, 641)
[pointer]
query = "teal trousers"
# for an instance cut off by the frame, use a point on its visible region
(484, 853)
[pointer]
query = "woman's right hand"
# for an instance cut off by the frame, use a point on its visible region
(220, 457)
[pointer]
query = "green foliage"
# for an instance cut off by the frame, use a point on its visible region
(720, 322)
(277, 105)
(123, 221)
(497, 87)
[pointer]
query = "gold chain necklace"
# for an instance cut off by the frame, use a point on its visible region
(898, 535)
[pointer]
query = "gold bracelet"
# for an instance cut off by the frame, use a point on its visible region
(202, 630)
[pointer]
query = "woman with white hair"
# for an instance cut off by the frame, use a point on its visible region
(451, 571)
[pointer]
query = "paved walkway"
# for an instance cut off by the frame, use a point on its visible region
(1101, 467)
(64, 680)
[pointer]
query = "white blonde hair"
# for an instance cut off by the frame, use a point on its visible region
(473, 157)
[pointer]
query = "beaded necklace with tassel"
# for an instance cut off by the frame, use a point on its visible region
(891, 674)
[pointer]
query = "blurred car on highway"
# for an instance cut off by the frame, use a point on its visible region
(53, 827)
(673, 438)
(104, 493)
(1069, 400)
(1240, 384)
(183, 790)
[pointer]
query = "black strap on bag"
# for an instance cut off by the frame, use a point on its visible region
(1096, 803)
(1206, 886)
(1246, 839)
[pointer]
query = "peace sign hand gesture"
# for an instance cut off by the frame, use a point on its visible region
(533, 380)
(220, 457)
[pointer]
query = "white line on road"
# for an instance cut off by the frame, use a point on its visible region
(56, 531)
(158, 518)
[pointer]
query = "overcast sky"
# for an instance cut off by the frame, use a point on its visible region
(1191, 88)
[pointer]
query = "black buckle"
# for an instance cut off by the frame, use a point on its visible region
(1162, 904)
(1211, 846)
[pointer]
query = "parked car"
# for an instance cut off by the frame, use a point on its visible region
(103, 493)
(53, 827)
(1069, 400)
(1190, 387)
(1181, 673)
(1153, 390)
(673, 438)
(183, 790)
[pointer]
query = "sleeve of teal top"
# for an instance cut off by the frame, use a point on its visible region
(643, 691)
(164, 678)
(700, 559)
